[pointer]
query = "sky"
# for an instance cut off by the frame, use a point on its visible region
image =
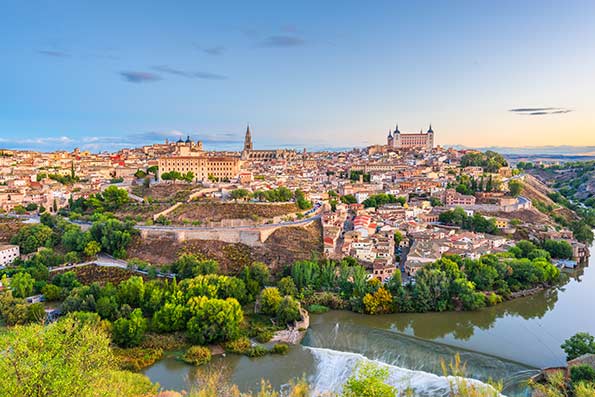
(100, 75)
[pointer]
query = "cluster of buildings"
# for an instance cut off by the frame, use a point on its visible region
(408, 165)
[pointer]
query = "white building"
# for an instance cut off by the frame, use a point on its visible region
(8, 253)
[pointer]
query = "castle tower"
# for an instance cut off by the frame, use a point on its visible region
(430, 138)
(389, 139)
(397, 137)
(248, 139)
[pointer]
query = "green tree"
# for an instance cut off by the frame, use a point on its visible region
(129, 332)
(74, 239)
(348, 199)
(51, 292)
(578, 344)
(515, 187)
(31, 237)
(288, 310)
(214, 320)
(113, 235)
(107, 307)
(270, 299)
(287, 286)
(21, 285)
(113, 198)
(63, 359)
(92, 248)
(189, 265)
(558, 249)
(240, 194)
(306, 274)
(172, 316)
(132, 291)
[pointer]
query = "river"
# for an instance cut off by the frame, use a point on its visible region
(509, 342)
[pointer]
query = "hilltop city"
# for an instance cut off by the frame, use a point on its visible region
(361, 197)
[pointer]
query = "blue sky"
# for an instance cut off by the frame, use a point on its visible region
(101, 75)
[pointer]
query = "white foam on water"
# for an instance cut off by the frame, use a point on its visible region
(333, 368)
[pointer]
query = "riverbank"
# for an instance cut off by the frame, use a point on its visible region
(509, 341)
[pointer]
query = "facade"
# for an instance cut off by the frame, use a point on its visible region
(249, 154)
(452, 197)
(398, 140)
(189, 156)
(8, 253)
(203, 166)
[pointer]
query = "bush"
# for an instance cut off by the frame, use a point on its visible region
(328, 299)
(51, 292)
(280, 348)
(197, 355)
(256, 351)
(318, 309)
(270, 299)
(238, 346)
(494, 299)
(288, 311)
(582, 373)
(264, 336)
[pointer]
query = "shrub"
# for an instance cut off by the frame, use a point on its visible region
(494, 299)
(270, 299)
(288, 311)
(280, 348)
(51, 292)
(197, 355)
(238, 346)
(317, 309)
(582, 373)
(256, 351)
(328, 299)
(264, 336)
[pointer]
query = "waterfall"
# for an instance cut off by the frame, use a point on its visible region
(333, 368)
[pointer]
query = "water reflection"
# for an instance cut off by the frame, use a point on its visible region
(508, 341)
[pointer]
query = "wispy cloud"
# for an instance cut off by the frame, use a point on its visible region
(282, 41)
(540, 111)
(139, 77)
(189, 75)
(53, 53)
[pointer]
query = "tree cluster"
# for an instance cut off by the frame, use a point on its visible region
(489, 160)
(476, 223)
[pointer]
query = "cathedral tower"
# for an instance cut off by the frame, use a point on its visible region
(248, 139)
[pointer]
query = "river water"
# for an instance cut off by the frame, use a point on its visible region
(508, 342)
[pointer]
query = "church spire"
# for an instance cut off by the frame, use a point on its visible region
(248, 139)
(390, 134)
(397, 129)
(430, 130)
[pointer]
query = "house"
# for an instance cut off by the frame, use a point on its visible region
(8, 253)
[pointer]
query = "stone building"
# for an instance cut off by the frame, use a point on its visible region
(189, 156)
(398, 140)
